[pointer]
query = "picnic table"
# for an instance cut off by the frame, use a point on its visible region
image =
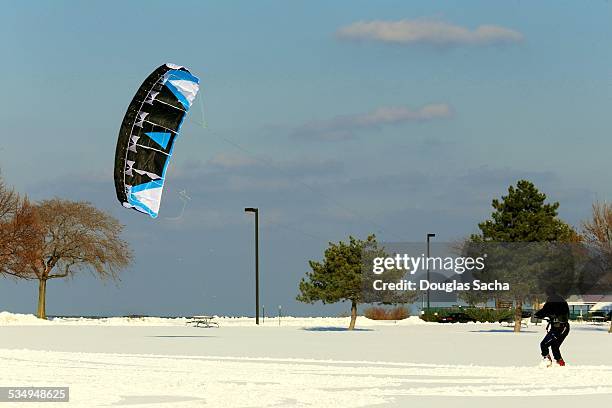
(510, 323)
(203, 321)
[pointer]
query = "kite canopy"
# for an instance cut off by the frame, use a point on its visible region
(147, 135)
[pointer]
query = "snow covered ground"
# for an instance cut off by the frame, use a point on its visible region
(7, 319)
(155, 362)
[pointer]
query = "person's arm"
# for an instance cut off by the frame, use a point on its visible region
(543, 312)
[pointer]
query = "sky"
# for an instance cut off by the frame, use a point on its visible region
(392, 117)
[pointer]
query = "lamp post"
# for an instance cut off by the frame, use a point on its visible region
(256, 211)
(429, 235)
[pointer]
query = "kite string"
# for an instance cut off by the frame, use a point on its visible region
(294, 229)
(269, 163)
(180, 216)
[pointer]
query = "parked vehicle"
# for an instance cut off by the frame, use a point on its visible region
(600, 315)
(456, 317)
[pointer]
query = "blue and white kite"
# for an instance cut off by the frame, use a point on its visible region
(147, 135)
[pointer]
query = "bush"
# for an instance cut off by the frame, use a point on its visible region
(489, 315)
(482, 315)
(430, 316)
(380, 313)
(435, 313)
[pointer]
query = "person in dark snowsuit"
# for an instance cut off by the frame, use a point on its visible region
(556, 310)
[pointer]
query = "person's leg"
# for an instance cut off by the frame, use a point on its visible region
(560, 335)
(564, 332)
(546, 342)
(554, 346)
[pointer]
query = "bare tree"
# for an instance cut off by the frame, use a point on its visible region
(18, 233)
(76, 237)
(598, 232)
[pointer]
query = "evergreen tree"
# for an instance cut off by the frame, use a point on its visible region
(523, 216)
(339, 276)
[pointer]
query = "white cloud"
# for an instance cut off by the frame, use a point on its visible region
(343, 127)
(428, 32)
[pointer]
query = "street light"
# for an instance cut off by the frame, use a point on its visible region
(429, 235)
(256, 211)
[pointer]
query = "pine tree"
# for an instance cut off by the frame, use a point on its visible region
(339, 276)
(524, 216)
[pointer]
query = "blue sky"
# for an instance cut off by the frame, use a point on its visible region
(398, 118)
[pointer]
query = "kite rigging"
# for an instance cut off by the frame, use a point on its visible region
(147, 135)
(184, 197)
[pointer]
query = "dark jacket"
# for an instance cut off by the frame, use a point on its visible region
(555, 308)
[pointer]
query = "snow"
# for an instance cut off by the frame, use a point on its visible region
(7, 318)
(155, 362)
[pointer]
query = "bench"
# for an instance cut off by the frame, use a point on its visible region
(510, 323)
(203, 321)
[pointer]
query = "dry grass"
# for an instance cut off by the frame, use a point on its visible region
(380, 313)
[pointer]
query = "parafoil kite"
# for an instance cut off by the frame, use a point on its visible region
(147, 135)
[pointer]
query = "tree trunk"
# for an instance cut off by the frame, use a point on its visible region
(518, 316)
(353, 315)
(42, 293)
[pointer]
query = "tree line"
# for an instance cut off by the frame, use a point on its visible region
(57, 238)
(521, 216)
